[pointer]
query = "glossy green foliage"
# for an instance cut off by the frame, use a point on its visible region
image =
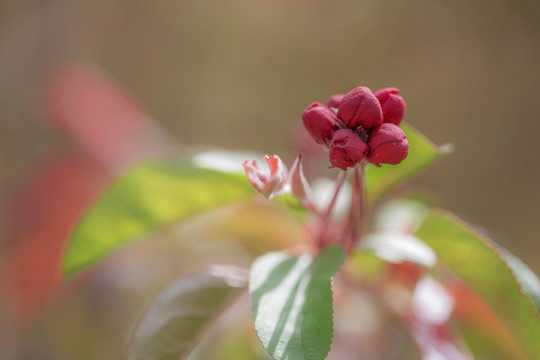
(422, 152)
(292, 303)
(174, 323)
(486, 269)
(147, 198)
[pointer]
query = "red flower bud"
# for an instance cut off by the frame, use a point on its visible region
(360, 107)
(335, 100)
(393, 105)
(320, 122)
(269, 184)
(347, 149)
(388, 145)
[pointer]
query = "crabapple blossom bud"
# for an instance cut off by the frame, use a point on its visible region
(359, 107)
(388, 145)
(393, 105)
(320, 122)
(269, 184)
(335, 100)
(347, 149)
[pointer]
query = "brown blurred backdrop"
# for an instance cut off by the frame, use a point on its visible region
(238, 73)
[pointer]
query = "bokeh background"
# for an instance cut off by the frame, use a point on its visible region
(238, 73)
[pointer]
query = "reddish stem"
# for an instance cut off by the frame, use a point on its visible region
(363, 199)
(327, 215)
(339, 184)
(355, 221)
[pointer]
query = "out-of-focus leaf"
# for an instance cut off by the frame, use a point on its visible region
(228, 161)
(102, 116)
(364, 266)
(173, 324)
(400, 215)
(380, 180)
(481, 264)
(397, 247)
(148, 197)
(292, 303)
(487, 348)
(232, 341)
(39, 220)
(484, 332)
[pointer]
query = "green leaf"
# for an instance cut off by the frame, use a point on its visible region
(173, 324)
(484, 267)
(527, 278)
(147, 198)
(292, 303)
(364, 266)
(422, 152)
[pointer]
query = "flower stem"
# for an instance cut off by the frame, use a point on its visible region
(339, 184)
(327, 215)
(357, 213)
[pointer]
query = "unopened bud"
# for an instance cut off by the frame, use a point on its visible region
(320, 122)
(335, 100)
(393, 105)
(360, 107)
(347, 149)
(388, 145)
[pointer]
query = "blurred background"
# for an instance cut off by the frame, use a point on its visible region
(89, 87)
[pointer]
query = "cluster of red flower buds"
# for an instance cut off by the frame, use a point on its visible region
(360, 124)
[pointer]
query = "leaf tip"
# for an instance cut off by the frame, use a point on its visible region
(447, 148)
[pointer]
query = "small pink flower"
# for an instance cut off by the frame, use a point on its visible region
(388, 145)
(359, 107)
(320, 122)
(269, 184)
(393, 105)
(347, 149)
(335, 100)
